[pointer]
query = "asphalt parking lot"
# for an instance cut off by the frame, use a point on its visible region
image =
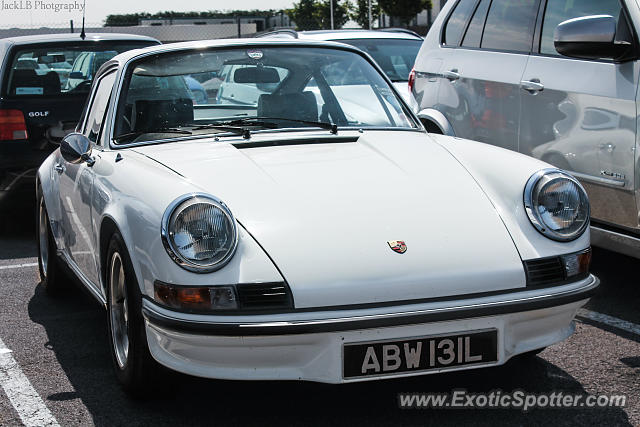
(60, 345)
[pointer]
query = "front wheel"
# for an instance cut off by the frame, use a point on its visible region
(132, 361)
(50, 273)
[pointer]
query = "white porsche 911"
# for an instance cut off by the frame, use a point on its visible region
(296, 237)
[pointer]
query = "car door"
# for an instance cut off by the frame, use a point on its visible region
(580, 115)
(76, 185)
(480, 81)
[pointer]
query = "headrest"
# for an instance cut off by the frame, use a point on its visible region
(163, 113)
(301, 106)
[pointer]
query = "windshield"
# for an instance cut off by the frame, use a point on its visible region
(395, 56)
(196, 92)
(54, 70)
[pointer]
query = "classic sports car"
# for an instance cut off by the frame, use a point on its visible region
(286, 239)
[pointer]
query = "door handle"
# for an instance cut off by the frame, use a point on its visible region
(532, 86)
(59, 168)
(452, 75)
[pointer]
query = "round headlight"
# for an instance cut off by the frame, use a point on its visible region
(557, 205)
(199, 233)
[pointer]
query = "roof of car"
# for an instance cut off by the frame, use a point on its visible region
(203, 44)
(387, 33)
(75, 37)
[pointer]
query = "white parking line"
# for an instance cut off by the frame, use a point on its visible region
(28, 264)
(23, 397)
(17, 178)
(610, 321)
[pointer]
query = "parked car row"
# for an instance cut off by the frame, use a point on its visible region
(274, 208)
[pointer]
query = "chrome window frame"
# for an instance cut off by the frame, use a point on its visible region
(82, 128)
(123, 68)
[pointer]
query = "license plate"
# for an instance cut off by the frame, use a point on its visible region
(419, 354)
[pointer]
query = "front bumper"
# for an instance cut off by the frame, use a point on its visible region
(308, 345)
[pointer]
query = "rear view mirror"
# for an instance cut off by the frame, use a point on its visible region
(256, 75)
(76, 148)
(591, 37)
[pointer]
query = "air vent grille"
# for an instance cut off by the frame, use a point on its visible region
(544, 272)
(264, 296)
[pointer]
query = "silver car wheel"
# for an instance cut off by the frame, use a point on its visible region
(43, 232)
(118, 310)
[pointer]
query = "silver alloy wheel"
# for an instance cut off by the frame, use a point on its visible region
(118, 310)
(43, 232)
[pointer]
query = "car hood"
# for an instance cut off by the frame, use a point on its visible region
(325, 211)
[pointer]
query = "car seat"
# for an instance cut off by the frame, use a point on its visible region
(300, 106)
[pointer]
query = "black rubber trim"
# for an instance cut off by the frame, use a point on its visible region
(633, 233)
(296, 141)
(357, 323)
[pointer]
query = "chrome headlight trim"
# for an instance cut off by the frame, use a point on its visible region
(534, 215)
(175, 254)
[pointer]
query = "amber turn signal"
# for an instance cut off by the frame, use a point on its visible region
(195, 298)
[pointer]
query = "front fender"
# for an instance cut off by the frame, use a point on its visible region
(489, 166)
(47, 180)
(134, 196)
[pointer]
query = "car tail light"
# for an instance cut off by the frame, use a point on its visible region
(412, 79)
(12, 125)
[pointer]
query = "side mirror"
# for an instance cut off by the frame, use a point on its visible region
(76, 75)
(76, 148)
(590, 37)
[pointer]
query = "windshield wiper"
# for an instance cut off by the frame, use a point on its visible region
(265, 121)
(237, 130)
(136, 134)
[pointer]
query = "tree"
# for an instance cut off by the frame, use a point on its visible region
(406, 10)
(360, 12)
(305, 15)
(341, 13)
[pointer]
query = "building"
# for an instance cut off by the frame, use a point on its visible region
(262, 23)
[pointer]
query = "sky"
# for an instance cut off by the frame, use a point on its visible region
(43, 13)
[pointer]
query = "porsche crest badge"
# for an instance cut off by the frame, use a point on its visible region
(397, 246)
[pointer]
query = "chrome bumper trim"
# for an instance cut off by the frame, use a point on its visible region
(511, 303)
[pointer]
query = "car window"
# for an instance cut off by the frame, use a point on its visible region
(473, 35)
(284, 87)
(56, 69)
(395, 56)
(98, 107)
(559, 11)
(510, 25)
(457, 22)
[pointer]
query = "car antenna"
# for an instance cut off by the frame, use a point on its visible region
(84, 7)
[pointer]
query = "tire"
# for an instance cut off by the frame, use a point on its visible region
(134, 366)
(530, 355)
(51, 275)
(431, 127)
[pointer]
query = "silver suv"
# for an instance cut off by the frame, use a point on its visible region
(553, 79)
